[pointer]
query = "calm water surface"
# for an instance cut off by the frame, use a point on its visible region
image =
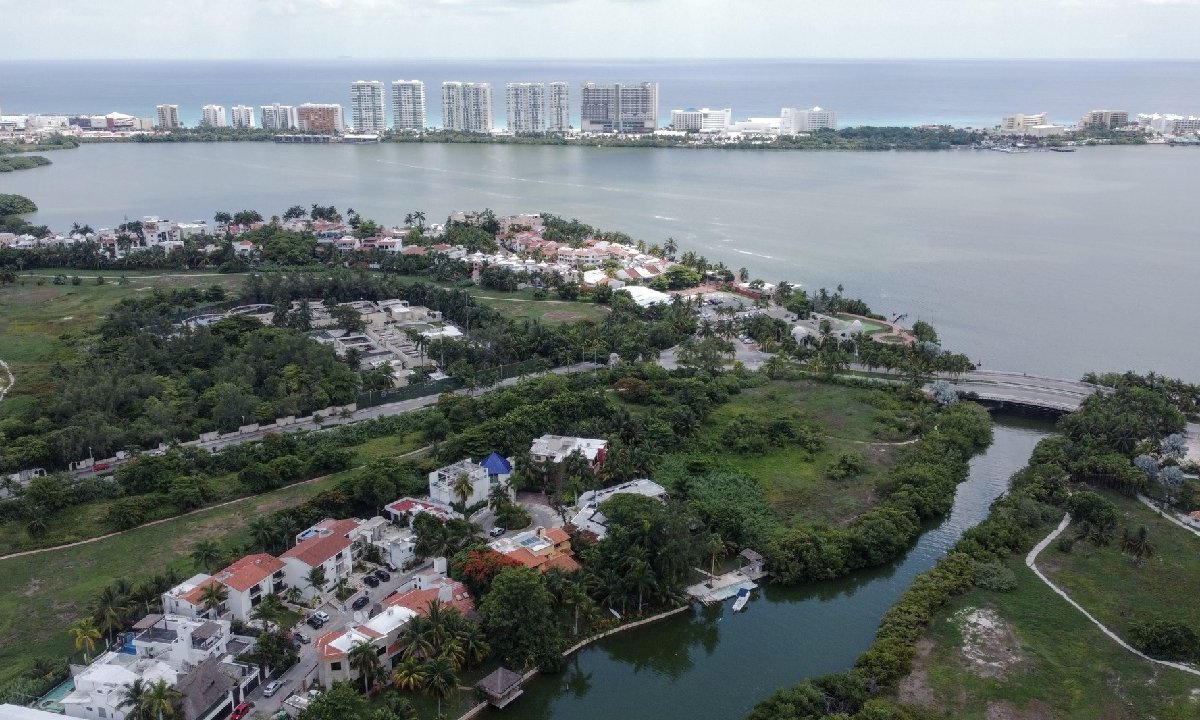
(1052, 263)
(711, 664)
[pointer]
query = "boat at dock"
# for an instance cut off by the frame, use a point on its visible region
(743, 597)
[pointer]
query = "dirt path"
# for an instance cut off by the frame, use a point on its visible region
(98, 538)
(1030, 560)
(1169, 515)
(8, 385)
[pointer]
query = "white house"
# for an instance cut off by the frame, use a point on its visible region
(331, 552)
(99, 687)
(556, 448)
(181, 642)
(481, 477)
(249, 580)
(588, 517)
(382, 632)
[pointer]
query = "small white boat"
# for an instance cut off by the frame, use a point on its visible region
(743, 597)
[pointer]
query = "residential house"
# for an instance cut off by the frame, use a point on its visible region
(402, 511)
(329, 551)
(494, 472)
(215, 687)
(382, 632)
(100, 687)
(588, 519)
(431, 586)
(556, 448)
(249, 580)
(540, 549)
(187, 598)
(181, 642)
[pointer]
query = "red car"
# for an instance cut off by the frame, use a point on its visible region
(100, 467)
(241, 711)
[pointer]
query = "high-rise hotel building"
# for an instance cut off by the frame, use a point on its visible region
(558, 107)
(278, 117)
(320, 118)
(168, 117)
(367, 111)
(467, 107)
(408, 105)
(526, 107)
(212, 116)
(615, 107)
(242, 116)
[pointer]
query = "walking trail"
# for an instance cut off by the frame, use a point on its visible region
(8, 385)
(98, 538)
(1030, 560)
(1168, 515)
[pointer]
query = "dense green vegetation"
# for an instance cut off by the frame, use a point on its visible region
(1096, 446)
(11, 163)
(16, 205)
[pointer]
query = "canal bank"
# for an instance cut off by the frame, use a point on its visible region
(708, 663)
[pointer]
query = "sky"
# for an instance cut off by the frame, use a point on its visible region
(597, 29)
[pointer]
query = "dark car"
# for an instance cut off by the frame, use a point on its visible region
(360, 603)
(301, 638)
(371, 581)
(315, 622)
(383, 575)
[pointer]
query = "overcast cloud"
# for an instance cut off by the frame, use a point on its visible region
(531, 29)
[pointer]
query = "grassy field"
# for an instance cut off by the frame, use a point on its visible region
(796, 480)
(1040, 660)
(522, 304)
(46, 592)
(33, 319)
(80, 522)
(1119, 593)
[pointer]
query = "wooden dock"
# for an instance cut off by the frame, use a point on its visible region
(719, 588)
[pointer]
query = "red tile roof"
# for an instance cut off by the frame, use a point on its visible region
(195, 596)
(556, 535)
(315, 551)
(249, 571)
(419, 600)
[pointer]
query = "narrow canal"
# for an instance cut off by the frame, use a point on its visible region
(709, 664)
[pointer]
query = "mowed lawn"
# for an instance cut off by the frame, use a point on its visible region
(1063, 666)
(795, 480)
(44, 593)
(523, 304)
(1120, 593)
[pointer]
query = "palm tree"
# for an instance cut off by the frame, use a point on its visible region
(133, 697)
(340, 588)
(269, 610)
(463, 488)
(85, 634)
(111, 607)
(639, 576)
(474, 646)
(206, 554)
(409, 674)
(263, 532)
(439, 680)
(365, 661)
(159, 700)
(1138, 545)
(212, 596)
(316, 578)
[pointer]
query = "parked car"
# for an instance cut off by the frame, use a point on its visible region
(301, 638)
(496, 532)
(360, 602)
(315, 622)
(321, 615)
(371, 581)
(383, 574)
(241, 711)
(392, 567)
(271, 688)
(100, 467)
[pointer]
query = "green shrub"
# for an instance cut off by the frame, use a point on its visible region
(994, 576)
(1065, 544)
(1165, 639)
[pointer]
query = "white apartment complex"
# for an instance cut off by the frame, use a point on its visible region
(703, 120)
(800, 120)
(619, 108)
(1036, 125)
(408, 105)
(558, 107)
(213, 116)
(168, 117)
(243, 117)
(1170, 124)
(367, 111)
(278, 117)
(467, 107)
(526, 107)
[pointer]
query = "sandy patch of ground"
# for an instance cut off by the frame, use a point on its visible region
(562, 316)
(990, 648)
(915, 688)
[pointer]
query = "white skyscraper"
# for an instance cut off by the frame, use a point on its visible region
(467, 107)
(702, 120)
(802, 120)
(367, 112)
(213, 116)
(168, 117)
(243, 117)
(526, 107)
(558, 107)
(278, 117)
(408, 105)
(619, 108)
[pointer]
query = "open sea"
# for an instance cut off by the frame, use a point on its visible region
(973, 93)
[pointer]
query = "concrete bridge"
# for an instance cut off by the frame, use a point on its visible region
(1031, 391)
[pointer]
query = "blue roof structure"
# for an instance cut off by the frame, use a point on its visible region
(496, 464)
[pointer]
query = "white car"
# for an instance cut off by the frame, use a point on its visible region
(321, 615)
(271, 688)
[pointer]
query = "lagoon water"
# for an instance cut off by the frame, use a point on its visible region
(1053, 263)
(709, 664)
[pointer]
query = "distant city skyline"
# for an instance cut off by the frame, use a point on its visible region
(617, 29)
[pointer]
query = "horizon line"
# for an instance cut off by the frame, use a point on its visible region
(680, 58)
